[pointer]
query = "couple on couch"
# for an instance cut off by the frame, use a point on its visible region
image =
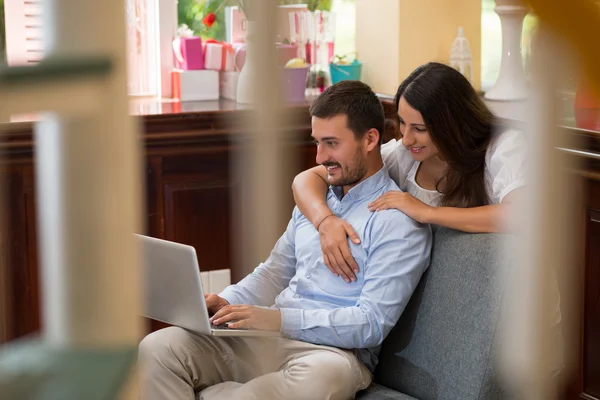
(339, 278)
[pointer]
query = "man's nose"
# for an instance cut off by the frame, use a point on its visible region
(322, 155)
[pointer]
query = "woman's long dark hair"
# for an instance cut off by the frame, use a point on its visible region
(460, 125)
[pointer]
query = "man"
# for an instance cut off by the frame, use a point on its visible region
(332, 330)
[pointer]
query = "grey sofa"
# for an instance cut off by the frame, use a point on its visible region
(442, 347)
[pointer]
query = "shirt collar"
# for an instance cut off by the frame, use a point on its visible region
(364, 188)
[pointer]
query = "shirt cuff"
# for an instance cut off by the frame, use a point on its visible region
(230, 296)
(291, 322)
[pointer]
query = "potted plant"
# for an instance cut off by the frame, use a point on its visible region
(341, 68)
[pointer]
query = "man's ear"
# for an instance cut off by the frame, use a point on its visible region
(372, 139)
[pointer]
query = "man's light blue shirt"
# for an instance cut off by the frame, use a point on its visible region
(320, 308)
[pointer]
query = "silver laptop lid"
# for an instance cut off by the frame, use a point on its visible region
(172, 287)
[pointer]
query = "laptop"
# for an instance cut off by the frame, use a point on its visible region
(172, 289)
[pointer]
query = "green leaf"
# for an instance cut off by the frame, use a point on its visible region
(312, 5)
(324, 5)
(320, 5)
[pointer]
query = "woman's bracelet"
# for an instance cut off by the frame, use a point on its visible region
(323, 219)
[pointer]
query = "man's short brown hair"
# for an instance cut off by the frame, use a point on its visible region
(357, 101)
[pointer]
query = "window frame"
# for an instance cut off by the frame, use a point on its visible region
(166, 10)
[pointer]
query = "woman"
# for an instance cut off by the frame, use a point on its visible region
(455, 167)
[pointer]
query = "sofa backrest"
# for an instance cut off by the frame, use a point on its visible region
(442, 347)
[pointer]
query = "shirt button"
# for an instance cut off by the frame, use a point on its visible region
(297, 296)
(308, 276)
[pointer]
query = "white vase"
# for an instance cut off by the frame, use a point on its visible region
(245, 86)
(511, 83)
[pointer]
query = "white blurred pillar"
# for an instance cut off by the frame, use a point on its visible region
(534, 346)
(261, 164)
(88, 186)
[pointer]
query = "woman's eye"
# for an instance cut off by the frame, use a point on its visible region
(420, 129)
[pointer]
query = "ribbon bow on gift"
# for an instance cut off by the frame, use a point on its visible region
(225, 48)
(182, 32)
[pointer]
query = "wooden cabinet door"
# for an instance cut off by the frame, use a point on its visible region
(195, 200)
(19, 254)
(591, 318)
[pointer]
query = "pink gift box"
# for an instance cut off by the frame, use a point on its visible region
(219, 56)
(188, 52)
(286, 52)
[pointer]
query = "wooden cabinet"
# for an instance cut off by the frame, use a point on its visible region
(583, 381)
(590, 372)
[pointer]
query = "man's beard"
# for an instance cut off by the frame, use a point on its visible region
(350, 175)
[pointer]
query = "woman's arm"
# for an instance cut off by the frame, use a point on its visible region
(310, 194)
(485, 219)
(496, 218)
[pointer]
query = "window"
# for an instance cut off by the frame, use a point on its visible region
(345, 29)
(23, 24)
(142, 48)
(22, 33)
(191, 13)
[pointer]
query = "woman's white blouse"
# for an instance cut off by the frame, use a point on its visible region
(504, 167)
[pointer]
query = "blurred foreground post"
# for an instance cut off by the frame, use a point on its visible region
(536, 346)
(88, 184)
(261, 164)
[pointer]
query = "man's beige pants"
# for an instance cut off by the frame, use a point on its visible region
(176, 364)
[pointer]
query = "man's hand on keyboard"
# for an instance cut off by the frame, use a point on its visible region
(248, 317)
(214, 303)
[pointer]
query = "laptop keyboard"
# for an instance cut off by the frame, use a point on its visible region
(220, 326)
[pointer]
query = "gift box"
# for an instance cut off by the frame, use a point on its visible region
(189, 54)
(195, 85)
(219, 56)
(285, 53)
(228, 82)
